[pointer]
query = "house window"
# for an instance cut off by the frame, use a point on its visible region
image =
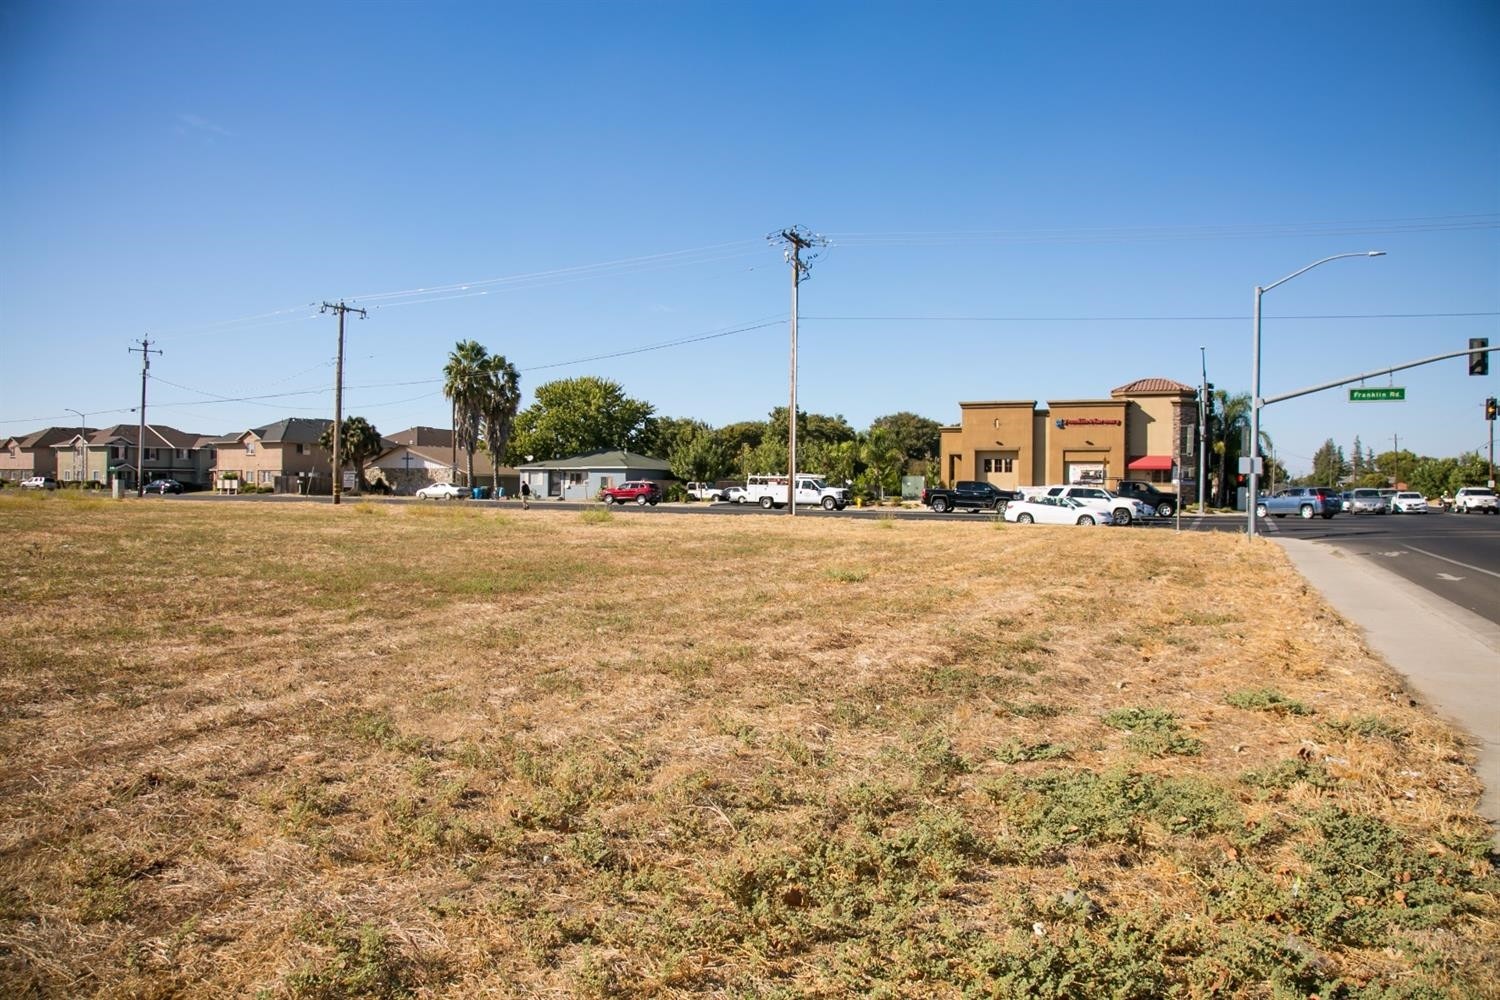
(299, 450)
(999, 465)
(249, 447)
(267, 476)
(117, 451)
(182, 453)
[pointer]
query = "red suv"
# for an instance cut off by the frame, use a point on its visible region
(640, 490)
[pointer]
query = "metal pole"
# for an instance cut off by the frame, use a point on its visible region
(81, 468)
(1202, 436)
(791, 489)
(140, 440)
(1254, 419)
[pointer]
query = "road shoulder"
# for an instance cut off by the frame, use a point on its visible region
(1449, 655)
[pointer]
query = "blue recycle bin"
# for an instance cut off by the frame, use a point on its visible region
(481, 492)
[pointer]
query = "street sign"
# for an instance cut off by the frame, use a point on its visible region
(1388, 392)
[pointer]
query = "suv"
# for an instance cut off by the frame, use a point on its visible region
(1305, 501)
(163, 486)
(1165, 504)
(1122, 510)
(39, 483)
(1476, 499)
(642, 491)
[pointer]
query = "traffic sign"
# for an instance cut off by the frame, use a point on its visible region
(1388, 392)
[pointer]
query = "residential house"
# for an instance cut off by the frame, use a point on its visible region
(581, 477)
(168, 454)
(421, 456)
(284, 455)
(25, 455)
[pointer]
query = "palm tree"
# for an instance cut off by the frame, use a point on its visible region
(504, 398)
(359, 442)
(1231, 416)
(466, 383)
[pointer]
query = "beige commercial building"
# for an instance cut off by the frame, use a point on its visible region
(1142, 431)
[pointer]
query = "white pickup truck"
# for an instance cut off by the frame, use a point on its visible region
(704, 491)
(771, 491)
(1476, 500)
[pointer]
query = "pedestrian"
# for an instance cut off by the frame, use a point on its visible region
(525, 495)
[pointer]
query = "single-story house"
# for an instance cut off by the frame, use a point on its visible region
(581, 477)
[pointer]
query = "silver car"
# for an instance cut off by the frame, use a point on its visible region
(1367, 502)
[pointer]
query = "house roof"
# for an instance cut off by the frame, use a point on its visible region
(443, 456)
(1152, 386)
(45, 438)
(292, 430)
(612, 459)
(157, 436)
(422, 437)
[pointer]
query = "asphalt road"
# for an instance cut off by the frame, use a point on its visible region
(1454, 556)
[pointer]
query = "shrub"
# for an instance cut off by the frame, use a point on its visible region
(1153, 731)
(1266, 700)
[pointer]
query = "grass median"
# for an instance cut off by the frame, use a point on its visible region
(392, 750)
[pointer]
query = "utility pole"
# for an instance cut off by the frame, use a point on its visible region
(338, 395)
(140, 440)
(795, 240)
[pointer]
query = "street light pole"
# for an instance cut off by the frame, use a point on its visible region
(82, 467)
(1202, 435)
(1255, 402)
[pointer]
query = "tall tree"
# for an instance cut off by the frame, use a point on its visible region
(699, 456)
(504, 398)
(918, 437)
(359, 442)
(577, 415)
(467, 383)
(745, 433)
(1328, 465)
(1231, 415)
(881, 452)
(1357, 460)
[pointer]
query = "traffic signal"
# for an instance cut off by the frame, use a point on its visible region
(1490, 408)
(1479, 358)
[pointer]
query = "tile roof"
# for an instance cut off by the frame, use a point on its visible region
(1151, 385)
(157, 436)
(422, 437)
(293, 430)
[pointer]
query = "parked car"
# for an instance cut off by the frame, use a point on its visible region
(1122, 510)
(1366, 501)
(164, 486)
(704, 491)
(734, 494)
(442, 491)
(1304, 501)
(967, 495)
(1476, 500)
(1346, 500)
(1055, 510)
(39, 483)
(641, 491)
(1165, 504)
(1408, 502)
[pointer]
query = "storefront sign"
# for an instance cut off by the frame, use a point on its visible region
(1087, 422)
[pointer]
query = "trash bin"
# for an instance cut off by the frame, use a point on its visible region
(481, 493)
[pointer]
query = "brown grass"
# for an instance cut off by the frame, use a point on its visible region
(396, 750)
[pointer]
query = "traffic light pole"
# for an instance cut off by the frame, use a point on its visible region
(1268, 400)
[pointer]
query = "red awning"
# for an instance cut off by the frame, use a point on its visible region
(1151, 463)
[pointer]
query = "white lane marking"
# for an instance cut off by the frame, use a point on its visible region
(1477, 569)
(1448, 576)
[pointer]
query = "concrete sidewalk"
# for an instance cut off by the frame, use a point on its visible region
(1450, 656)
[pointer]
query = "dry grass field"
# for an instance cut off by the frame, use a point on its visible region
(288, 750)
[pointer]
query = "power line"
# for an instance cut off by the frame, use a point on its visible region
(1138, 319)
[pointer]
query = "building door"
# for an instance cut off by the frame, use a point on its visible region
(998, 468)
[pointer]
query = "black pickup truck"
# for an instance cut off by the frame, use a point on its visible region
(968, 495)
(1165, 504)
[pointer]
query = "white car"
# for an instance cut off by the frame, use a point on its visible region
(1408, 502)
(1121, 510)
(1476, 499)
(734, 494)
(442, 491)
(1055, 510)
(39, 483)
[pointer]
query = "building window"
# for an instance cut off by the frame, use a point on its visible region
(299, 447)
(999, 465)
(249, 447)
(182, 453)
(267, 476)
(116, 451)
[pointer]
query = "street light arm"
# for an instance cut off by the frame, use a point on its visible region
(1337, 256)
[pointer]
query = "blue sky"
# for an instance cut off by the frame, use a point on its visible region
(1024, 201)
